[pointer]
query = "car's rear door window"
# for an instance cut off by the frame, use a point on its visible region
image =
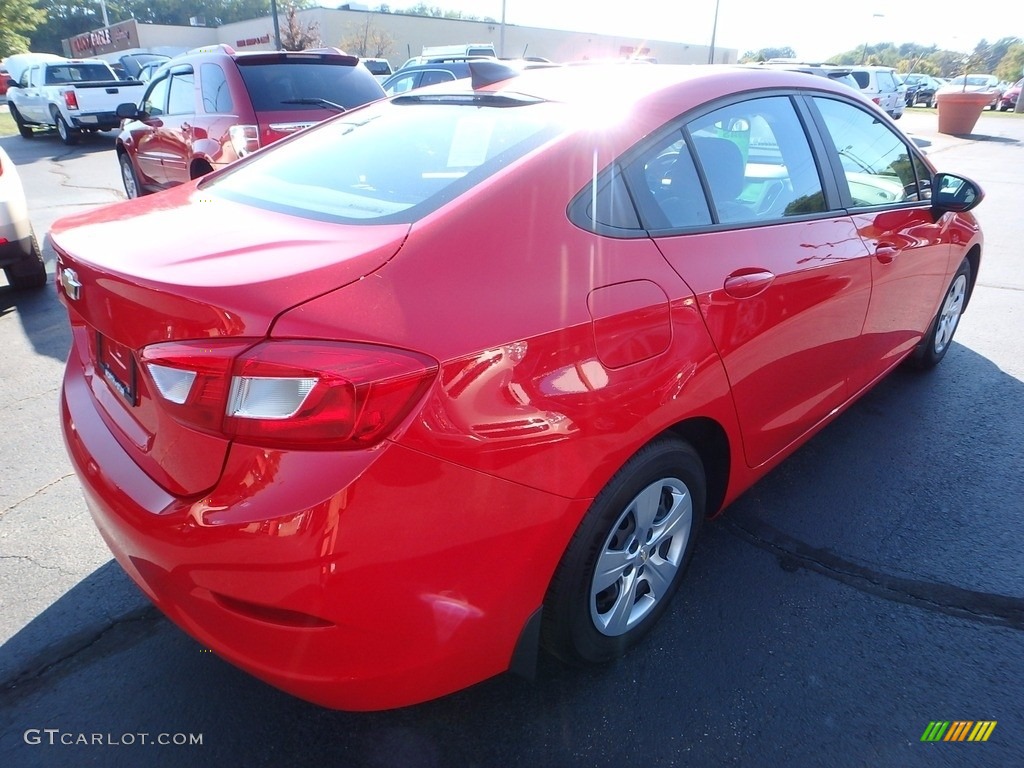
(215, 90)
(756, 161)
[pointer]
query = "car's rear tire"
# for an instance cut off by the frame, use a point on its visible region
(67, 134)
(936, 342)
(30, 271)
(131, 182)
(628, 555)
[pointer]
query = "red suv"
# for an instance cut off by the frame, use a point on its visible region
(211, 106)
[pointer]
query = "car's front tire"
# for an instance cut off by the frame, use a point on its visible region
(24, 129)
(936, 342)
(131, 182)
(628, 555)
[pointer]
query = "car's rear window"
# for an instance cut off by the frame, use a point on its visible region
(863, 78)
(283, 85)
(78, 73)
(391, 162)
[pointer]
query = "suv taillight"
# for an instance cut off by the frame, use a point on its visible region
(244, 139)
(309, 395)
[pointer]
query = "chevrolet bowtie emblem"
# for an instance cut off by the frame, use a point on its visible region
(69, 280)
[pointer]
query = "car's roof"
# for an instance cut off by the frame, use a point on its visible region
(607, 84)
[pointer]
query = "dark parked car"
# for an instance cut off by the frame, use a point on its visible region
(921, 89)
(376, 413)
(204, 109)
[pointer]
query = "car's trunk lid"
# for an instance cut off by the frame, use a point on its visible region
(178, 267)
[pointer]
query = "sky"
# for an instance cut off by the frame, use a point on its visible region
(815, 30)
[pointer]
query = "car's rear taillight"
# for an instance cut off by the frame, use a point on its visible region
(71, 99)
(244, 139)
(877, 100)
(310, 395)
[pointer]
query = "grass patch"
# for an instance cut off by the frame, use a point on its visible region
(7, 126)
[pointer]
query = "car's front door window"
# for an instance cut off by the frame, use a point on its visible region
(155, 102)
(878, 166)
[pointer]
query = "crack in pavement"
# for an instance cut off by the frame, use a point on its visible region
(32, 495)
(936, 596)
(26, 680)
(37, 564)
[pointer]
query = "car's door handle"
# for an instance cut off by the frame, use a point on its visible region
(748, 282)
(886, 253)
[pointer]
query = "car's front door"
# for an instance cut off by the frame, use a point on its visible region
(145, 132)
(176, 133)
(887, 189)
(782, 283)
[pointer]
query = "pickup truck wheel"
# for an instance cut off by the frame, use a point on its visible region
(29, 272)
(23, 128)
(128, 177)
(67, 134)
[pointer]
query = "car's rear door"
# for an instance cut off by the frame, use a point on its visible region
(782, 282)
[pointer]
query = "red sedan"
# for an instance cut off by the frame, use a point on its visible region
(378, 410)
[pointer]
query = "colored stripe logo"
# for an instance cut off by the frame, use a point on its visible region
(958, 730)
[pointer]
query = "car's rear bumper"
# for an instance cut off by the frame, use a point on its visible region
(360, 580)
(102, 121)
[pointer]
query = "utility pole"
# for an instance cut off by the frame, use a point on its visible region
(277, 26)
(714, 32)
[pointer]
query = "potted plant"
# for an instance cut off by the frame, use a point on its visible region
(959, 108)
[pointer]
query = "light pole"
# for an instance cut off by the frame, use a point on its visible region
(714, 32)
(103, 8)
(864, 58)
(501, 37)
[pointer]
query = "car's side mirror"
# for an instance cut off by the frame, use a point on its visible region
(11, 83)
(129, 111)
(954, 193)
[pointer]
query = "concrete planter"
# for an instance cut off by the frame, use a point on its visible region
(959, 111)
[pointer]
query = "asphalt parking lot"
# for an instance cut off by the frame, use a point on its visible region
(871, 585)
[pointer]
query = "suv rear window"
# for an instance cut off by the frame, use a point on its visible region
(391, 162)
(281, 85)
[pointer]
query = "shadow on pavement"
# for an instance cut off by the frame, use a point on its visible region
(42, 317)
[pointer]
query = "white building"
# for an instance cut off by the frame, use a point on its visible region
(408, 35)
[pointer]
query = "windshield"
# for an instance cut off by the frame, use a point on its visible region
(393, 161)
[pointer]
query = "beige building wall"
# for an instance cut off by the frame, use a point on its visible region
(411, 33)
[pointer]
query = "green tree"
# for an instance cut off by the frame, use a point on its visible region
(1011, 65)
(763, 54)
(19, 19)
